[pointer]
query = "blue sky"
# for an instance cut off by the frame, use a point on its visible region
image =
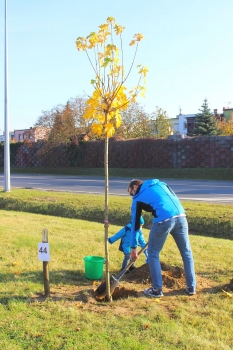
(187, 49)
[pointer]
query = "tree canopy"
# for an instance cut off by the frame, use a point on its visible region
(135, 122)
(205, 123)
(225, 127)
(161, 126)
(110, 95)
(65, 121)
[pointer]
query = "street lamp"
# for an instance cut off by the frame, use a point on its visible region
(6, 126)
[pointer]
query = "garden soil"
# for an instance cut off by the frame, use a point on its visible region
(130, 289)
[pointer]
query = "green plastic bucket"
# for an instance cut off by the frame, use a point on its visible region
(94, 267)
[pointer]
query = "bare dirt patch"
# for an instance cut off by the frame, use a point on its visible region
(173, 281)
(131, 286)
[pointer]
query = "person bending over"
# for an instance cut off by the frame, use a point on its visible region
(169, 217)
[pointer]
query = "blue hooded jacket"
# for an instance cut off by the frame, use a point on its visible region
(157, 198)
(125, 235)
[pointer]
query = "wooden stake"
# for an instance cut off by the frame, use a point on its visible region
(46, 266)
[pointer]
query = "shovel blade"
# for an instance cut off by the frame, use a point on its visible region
(101, 291)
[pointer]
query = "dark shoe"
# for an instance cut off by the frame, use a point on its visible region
(190, 290)
(156, 293)
(132, 268)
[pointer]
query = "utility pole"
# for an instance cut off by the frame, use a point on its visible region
(6, 126)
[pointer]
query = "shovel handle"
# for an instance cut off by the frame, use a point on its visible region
(131, 263)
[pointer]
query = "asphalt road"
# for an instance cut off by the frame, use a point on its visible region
(192, 190)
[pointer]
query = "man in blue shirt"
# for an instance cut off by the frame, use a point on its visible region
(169, 217)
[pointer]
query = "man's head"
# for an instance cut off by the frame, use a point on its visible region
(133, 186)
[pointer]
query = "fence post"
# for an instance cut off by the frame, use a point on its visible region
(46, 266)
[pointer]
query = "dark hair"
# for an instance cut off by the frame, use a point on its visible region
(134, 182)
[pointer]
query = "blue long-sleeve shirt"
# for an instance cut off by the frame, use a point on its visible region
(125, 235)
(156, 197)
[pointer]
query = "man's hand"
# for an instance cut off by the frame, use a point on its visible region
(133, 255)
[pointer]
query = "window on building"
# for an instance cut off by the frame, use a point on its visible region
(19, 136)
(185, 125)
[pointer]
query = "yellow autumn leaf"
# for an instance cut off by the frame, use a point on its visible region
(101, 55)
(97, 129)
(101, 118)
(103, 26)
(138, 37)
(109, 129)
(118, 119)
(143, 71)
(142, 90)
(93, 41)
(116, 61)
(118, 29)
(89, 112)
(111, 19)
(133, 99)
(104, 106)
(81, 43)
(102, 37)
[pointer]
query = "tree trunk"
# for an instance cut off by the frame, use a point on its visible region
(106, 223)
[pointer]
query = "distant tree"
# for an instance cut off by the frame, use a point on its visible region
(160, 123)
(78, 105)
(135, 123)
(63, 128)
(205, 123)
(225, 127)
(56, 121)
(47, 119)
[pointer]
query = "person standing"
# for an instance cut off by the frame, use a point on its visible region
(169, 217)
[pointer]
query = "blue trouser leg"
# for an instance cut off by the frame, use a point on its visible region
(180, 235)
(157, 237)
(126, 260)
(158, 234)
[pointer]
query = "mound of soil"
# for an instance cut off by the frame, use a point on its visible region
(173, 276)
(173, 281)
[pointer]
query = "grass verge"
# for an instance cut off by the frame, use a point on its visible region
(181, 173)
(208, 219)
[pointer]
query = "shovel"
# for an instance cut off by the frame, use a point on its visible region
(101, 292)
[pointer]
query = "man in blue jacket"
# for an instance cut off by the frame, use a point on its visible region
(169, 217)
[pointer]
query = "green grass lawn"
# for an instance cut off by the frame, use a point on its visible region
(73, 319)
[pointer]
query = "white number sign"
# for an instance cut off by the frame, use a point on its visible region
(43, 252)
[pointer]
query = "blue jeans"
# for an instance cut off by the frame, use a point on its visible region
(126, 260)
(178, 227)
